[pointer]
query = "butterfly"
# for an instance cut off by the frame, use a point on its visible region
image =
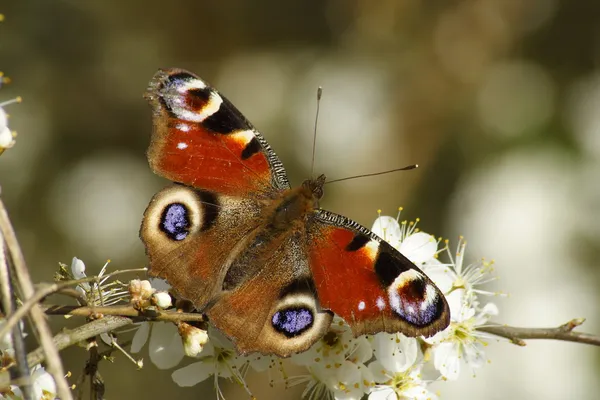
(259, 258)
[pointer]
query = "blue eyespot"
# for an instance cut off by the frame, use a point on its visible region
(292, 321)
(175, 221)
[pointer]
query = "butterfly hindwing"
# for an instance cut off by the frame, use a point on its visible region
(368, 283)
(200, 139)
(185, 231)
(273, 309)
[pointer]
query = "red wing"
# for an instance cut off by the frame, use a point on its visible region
(368, 283)
(201, 139)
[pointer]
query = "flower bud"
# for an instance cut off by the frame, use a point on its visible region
(162, 299)
(194, 339)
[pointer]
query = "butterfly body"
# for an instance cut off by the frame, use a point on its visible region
(259, 258)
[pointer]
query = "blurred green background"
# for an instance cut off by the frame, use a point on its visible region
(497, 101)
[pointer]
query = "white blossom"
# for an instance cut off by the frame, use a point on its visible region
(7, 137)
(219, 359)
(461, 343)
(166, 348)
(336, 365)
(455, 275)
(101, 292)
(194, 339)
(418, 247)
(42, 383)
(395, 352)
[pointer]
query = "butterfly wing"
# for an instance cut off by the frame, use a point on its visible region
(368, 283)
(216, 236)
(227, 174)
(192, 235)
(206, 236)
(200, 139)
(273, 309)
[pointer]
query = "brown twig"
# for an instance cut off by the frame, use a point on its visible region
(70, 337)
(5, 289)
(8, 305)
(125, 311)
(47, 289)
(40, 324)
(564, 333)
(26, 307)
(91, 370)
(115, 317)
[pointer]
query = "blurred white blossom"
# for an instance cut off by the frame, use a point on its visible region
(42, 383)
(7, 137)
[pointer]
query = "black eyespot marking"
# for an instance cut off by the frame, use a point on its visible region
(292, 321)
(410, 303)
(415, 291)
(196, 98)
(358, 242)
(226, 120)
(388, 267)
(251, 148)
(210, 207)
(175, 221)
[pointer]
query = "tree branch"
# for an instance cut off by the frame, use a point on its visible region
(564, 332)
(8, 306)
(70, 337)
(115, 317)
(47, 289)
(125, 311)
(40, 324)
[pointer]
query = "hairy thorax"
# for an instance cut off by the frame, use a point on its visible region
(284, 221)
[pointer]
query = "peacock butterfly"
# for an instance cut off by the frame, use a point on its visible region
(259, 258)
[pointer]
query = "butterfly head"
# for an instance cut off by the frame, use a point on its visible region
(315, 186)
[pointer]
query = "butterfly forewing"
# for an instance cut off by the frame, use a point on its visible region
(368, 283)
(202, 140)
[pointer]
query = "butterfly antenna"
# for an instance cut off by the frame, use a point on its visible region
(407, 168)
(312, 164)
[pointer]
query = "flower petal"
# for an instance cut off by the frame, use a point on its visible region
(418, 393)
(165, 348)
(388, 229)
(159, 284)
(446, 360)
(490, 309)
(383, 393)
(456, 302)
(193, 374)
(419, 247)
(140, 338)
(7, 140)
(475, 355)
(378, 372)
(441, 274)
(362, 350)
(396, 352)
(42, 382)
(3, 119)
(78, 268)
